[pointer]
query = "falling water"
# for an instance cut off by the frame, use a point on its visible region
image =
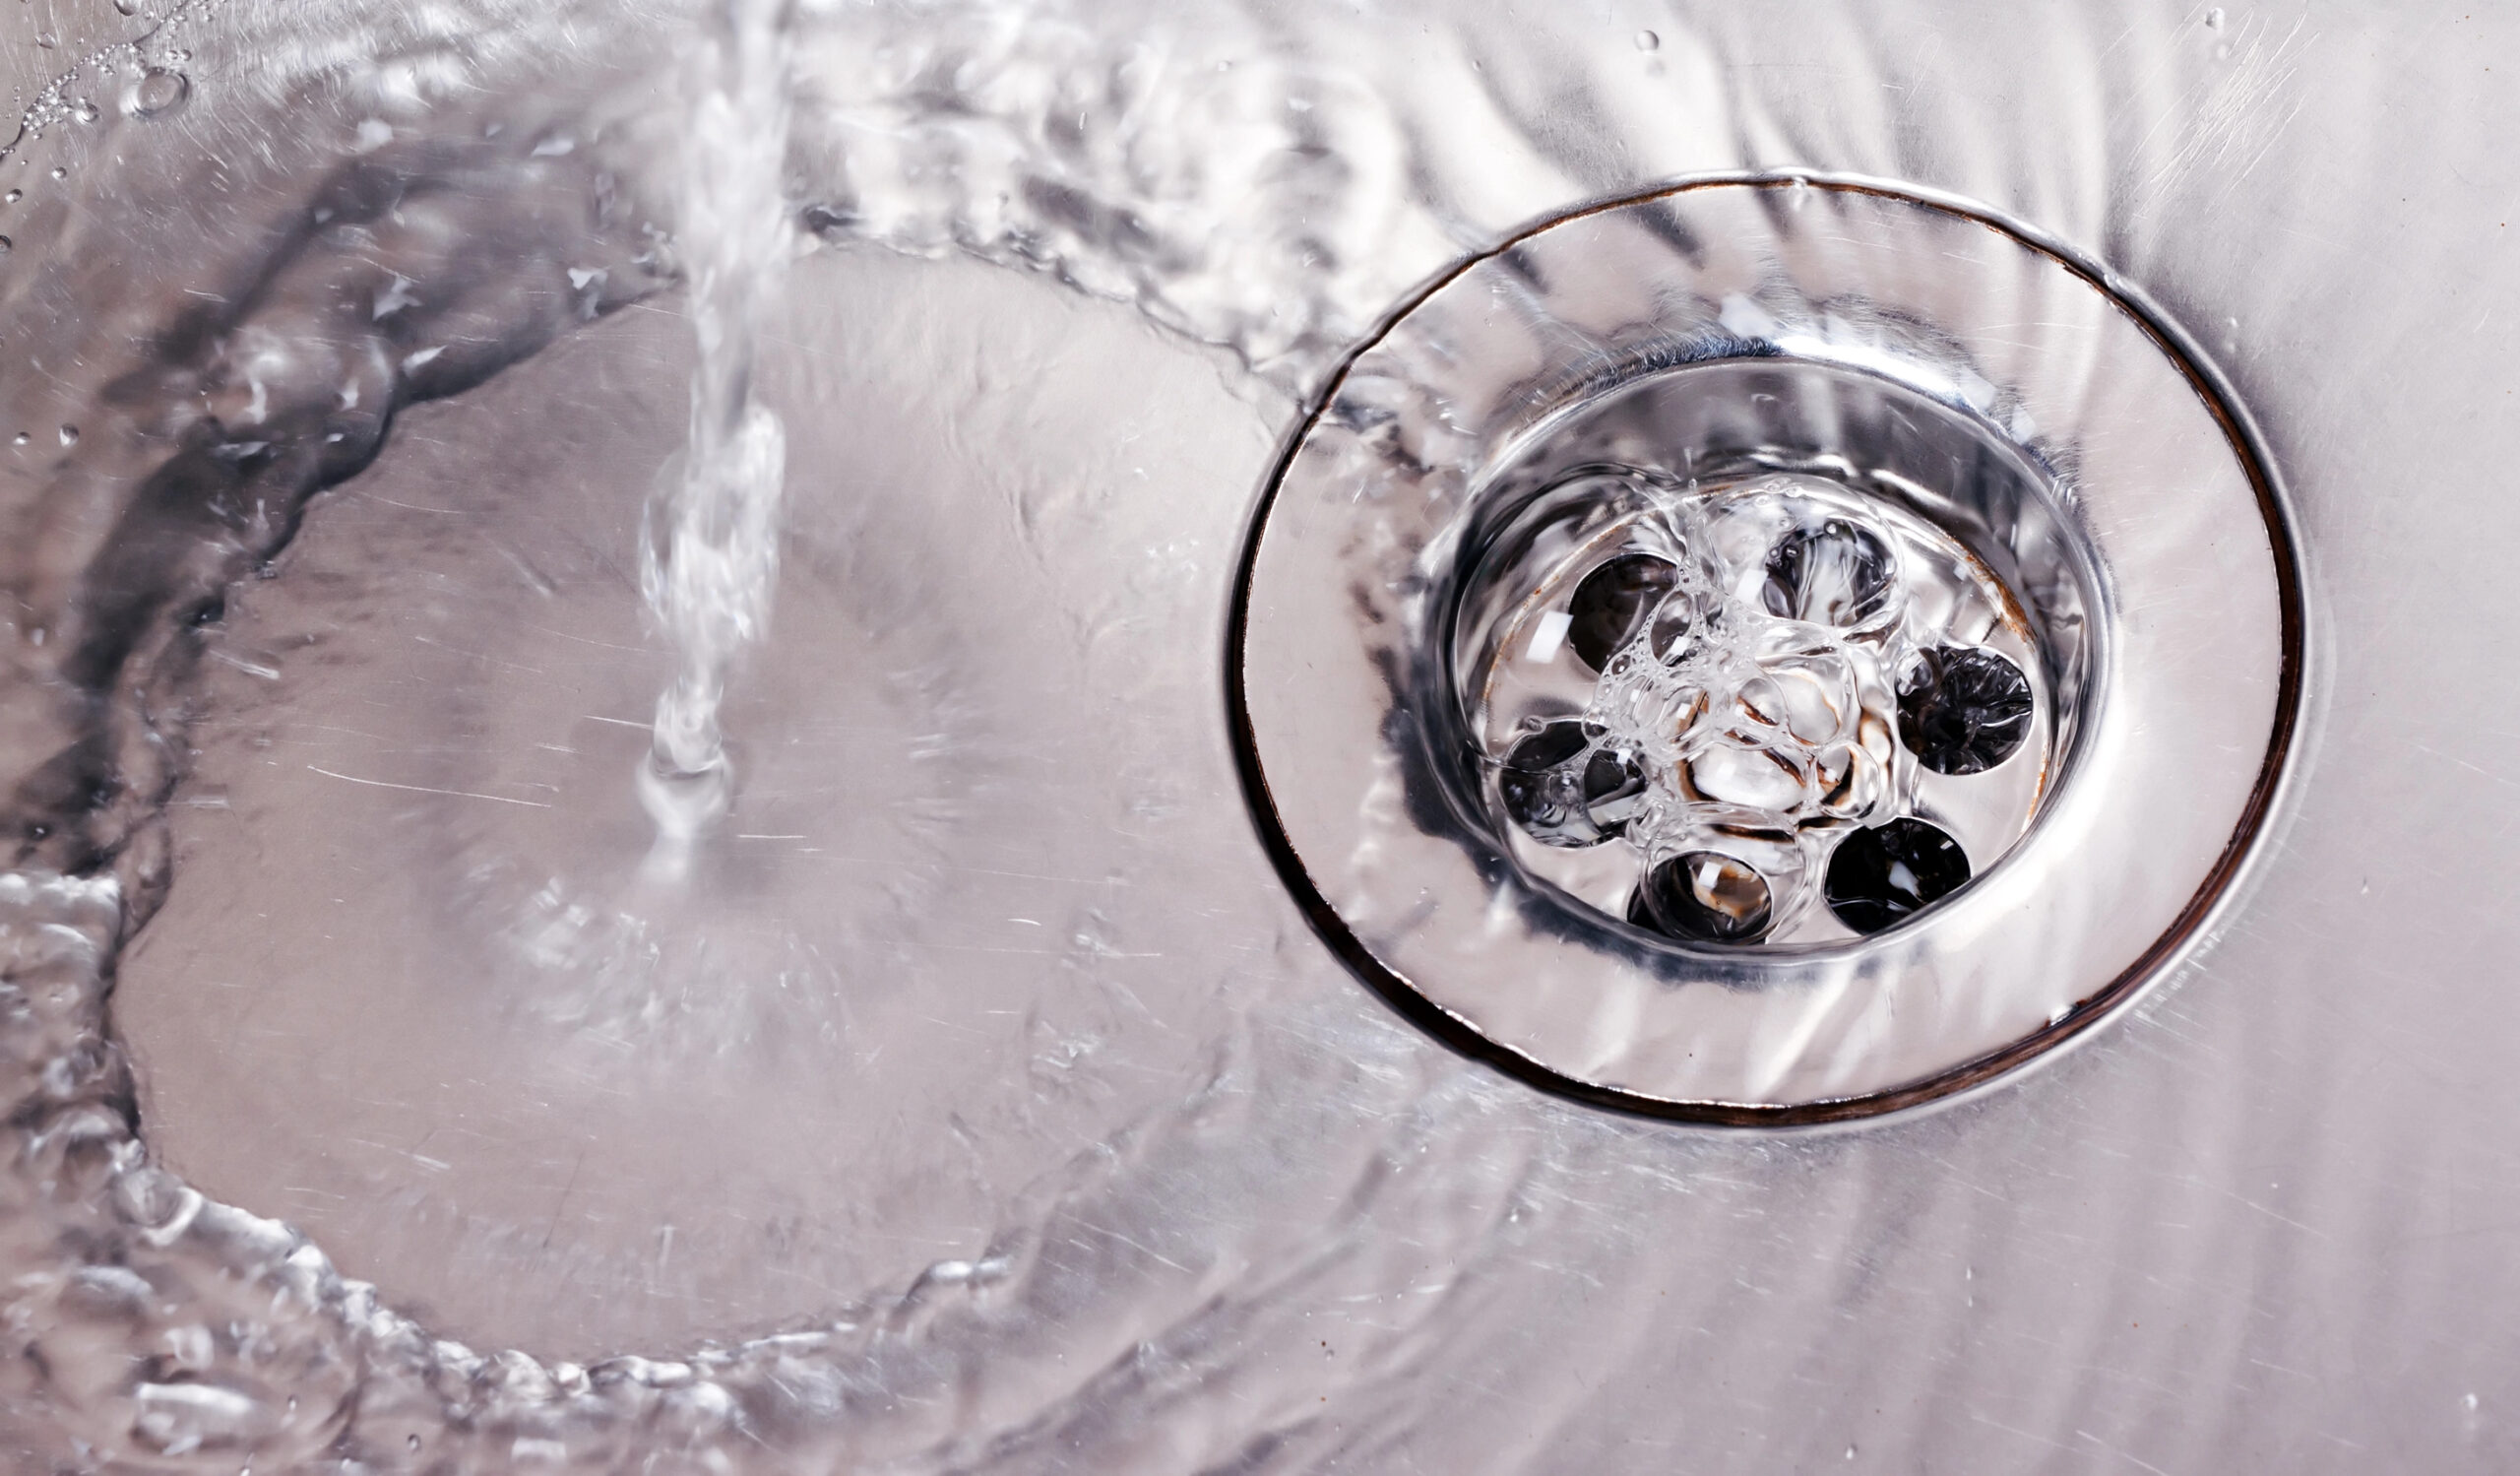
(709, 547)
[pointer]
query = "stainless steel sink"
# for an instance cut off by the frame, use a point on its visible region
(985, 1099)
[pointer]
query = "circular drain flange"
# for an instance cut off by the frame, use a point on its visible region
(1769, 650)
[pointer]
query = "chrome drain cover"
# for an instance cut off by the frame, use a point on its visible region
(1768, 651)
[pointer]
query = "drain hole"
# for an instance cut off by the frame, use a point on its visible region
(1836, 574)
(1562, 790)
(1706, 898)
(1882, 876)
(1612, 602)
(1963, 711)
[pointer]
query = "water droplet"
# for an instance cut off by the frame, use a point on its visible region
(412, 1442)
(1705, 896)
(159, 91)
(69, 435)
(13, 197)
(128, 6)
(5, 244)
(2213, 19)
(1612, 603)
(1963, 709)
(60, 172)
(1674, 625)
(1836, 574)
(86, 111)
(20, 439)
(1880, 877)
(1647, 40)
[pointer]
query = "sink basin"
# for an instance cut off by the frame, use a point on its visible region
(980, 1096)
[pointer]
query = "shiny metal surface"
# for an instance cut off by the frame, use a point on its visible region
(1260, 1224)
(2143, 543)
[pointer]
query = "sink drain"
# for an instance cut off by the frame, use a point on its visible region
(1770, 673)
(1769, 650)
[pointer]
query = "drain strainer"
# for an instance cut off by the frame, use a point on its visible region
(1769, 650)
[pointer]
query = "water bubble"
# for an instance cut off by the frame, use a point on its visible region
(1706, 896)
(1747, 772)
(1836, 574)
(159, 91)
(1647, 40)
(1853, 780)
(1761, 701)
(69, 435)
(1880, 877)
(1674, 624)
(1612, 602)
(1963, 709)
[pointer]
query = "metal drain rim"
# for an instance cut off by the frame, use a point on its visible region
(2216, 891)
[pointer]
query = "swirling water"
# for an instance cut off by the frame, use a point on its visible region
(983, 1107)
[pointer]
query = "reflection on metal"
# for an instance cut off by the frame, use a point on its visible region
(1067, 1145)
(1520, 632)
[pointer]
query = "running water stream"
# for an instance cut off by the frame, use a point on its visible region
(709, 547)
